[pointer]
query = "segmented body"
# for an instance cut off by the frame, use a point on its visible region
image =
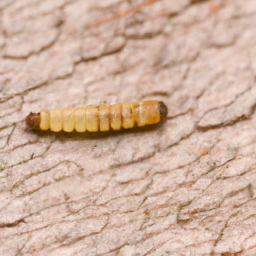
(99, 118)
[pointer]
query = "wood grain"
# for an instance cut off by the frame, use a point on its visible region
(186, 187)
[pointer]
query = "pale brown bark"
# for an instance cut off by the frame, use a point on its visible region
(186, 187)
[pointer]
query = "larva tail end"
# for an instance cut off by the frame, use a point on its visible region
(33, 121)
(163, 110)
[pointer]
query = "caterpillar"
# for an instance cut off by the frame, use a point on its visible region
(99, 118)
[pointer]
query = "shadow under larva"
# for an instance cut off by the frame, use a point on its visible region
(99, 135)
(98, 121)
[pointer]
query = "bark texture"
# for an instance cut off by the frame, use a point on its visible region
(186, 187)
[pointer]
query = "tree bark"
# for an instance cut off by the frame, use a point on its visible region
(186, 187)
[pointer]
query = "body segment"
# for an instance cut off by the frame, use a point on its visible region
(147, 113)
(80, 119)
(56, 120)
(104, 116)
(92, 119)
(99, 118)
(45, 120)
(128, 115)
(116, 117)
(68, 119)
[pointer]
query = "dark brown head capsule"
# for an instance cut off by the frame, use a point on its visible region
(33, 121)
(163, 110)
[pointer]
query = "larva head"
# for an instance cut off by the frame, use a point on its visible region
(33, 121)
(163, 110)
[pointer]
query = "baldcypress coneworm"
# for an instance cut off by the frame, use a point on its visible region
(99, 118)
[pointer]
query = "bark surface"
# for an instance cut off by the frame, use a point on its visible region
(186, 187)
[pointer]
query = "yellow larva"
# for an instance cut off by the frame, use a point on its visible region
(99, 118)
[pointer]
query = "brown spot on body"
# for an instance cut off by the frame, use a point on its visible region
(33, 121)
